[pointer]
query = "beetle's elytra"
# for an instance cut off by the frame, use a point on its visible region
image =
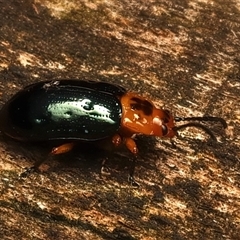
(74, 110)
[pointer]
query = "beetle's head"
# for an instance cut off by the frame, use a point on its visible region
(140, 116)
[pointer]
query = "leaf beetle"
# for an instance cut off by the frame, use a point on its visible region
(89, 111)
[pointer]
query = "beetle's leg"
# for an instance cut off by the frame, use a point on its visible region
(173, 143)
(64, 148)
(35, 167)
(56, 150)
(104, 168)
(131, 178)
(131, 145)
(27, 172)
(116, 140)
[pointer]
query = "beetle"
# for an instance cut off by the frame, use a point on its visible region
(89, 111)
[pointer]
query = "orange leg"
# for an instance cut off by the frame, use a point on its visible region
(131, 145)
(116, 140)
(57, 150)
(64, 148)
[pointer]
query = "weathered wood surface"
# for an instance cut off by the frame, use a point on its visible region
(184, 55)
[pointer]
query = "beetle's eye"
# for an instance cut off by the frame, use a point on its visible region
(164, 130)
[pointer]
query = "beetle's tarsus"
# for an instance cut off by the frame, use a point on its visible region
(28, 171)
(104, 171)
(173, 143)
(34, 168)
(132, 181)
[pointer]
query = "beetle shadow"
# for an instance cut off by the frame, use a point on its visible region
(86, 157)
(25, 152)
(117, 160)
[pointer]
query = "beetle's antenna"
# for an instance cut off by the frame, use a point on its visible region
(199, 125)
(204, 119)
